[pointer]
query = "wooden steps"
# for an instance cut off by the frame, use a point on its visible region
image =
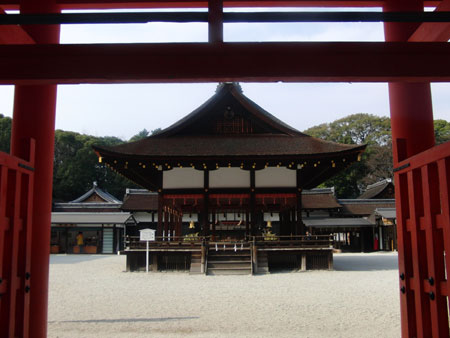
(229, 261)
(196, 263)
(263, 263)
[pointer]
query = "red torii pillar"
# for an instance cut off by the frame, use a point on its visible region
(34, 117)
(412, 133)
(410, 103)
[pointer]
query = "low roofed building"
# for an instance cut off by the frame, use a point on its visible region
(378, 190)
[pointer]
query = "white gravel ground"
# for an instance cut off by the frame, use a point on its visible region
(92, 296)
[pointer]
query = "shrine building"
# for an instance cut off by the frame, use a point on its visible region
(230, 175)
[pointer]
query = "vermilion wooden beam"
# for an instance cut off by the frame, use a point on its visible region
(109, 4)
(14, 35)
(203, 62)
(433, 31)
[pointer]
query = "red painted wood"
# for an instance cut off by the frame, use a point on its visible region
(15, 193)
(199, 62)
(114, 4)
(429, 31)
(424, 201)
(34, 117)
(410, 104)
(435, 250)
(215, 21)
(120, 4)
(407, 309)
(13, 34)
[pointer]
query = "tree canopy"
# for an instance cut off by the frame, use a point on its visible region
(5, 133)
(376, 163)
(76, 166)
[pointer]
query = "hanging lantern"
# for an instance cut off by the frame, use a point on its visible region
(191, 225)
(269, 224)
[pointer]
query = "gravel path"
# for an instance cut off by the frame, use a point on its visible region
(92, 296)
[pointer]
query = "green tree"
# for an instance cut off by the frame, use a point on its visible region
(139, 136)
(5, 133)
(376, 162)
(441, 131)
(76, 166)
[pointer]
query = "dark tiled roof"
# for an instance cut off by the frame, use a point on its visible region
(86, 207)
(186, 139)
(107, 197)
(379, 190)
(337, 222)
(140, 202)
(231, 92)
(251, 145)
(319, 199)
(359, 207)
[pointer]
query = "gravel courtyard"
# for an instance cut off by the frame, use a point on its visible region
(92, 296)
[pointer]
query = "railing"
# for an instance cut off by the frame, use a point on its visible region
(134, 242)
(300, 241)
(312, 241)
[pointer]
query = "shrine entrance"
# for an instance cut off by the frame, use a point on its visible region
(230, 225)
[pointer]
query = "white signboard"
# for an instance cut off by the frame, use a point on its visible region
(147, 234)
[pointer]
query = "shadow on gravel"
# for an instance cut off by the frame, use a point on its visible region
(125, 320)
(74, 259)
(365, 262)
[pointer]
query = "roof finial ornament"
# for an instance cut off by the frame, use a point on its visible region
(94, 184)
(235, 85)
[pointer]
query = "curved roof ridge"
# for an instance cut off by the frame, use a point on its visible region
(96, 190)
(376, 184)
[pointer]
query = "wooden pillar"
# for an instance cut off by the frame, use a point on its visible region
(247, 223)
(166, 222)
(154, 262)
(255, 256)
(159, 227)
(215, 21)
(34, 118)
(330, 260)
(410, 103)
(205, 203)
(300, 224)
(179, 229)
(213, 233)
(412, 132)
(303, 263)
(252, 203)
(203, 258)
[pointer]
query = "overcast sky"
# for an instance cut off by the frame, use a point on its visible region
(123, 110)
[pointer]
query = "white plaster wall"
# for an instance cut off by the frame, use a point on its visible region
(142, 217)
(229, 178)
(192, 217)
(274, 218)
(182, 178)
(273, 177)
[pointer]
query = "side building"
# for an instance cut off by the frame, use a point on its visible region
(96, 216)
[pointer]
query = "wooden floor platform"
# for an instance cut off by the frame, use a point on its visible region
(233, 257)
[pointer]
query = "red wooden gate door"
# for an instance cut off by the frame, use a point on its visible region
(423, 229)
(16, 192)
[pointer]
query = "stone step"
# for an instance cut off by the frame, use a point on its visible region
(232, 260)
(215, 272)
(238, 265)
